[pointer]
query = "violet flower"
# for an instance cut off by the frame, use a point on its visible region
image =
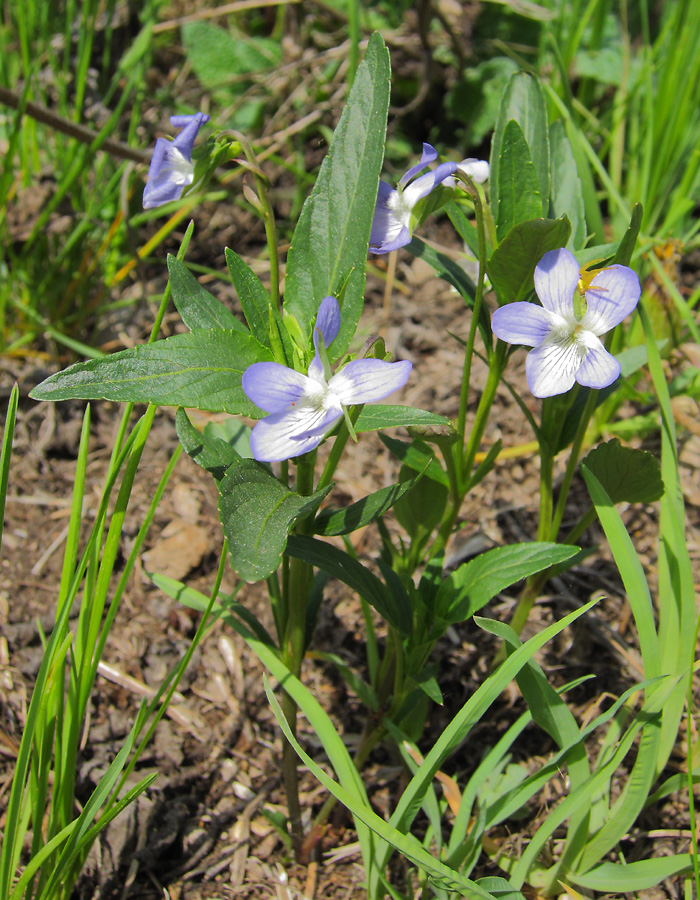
(304, 408)
(394, 218)
(171, 168)
(566, 339)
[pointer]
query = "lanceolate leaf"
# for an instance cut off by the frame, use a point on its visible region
(640, 875)
(446, 268)
(328, 254)
(629, 240)
(257, 512)
(512, 264)
(523, 101)
(357, 515)
(374, 417)
(198, 308)
(350, 571)
(202, 369)
(519, 198)
(476, 582)
(566, 190)
(256, 303)
(415, 456)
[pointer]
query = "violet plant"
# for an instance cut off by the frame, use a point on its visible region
(292, 367)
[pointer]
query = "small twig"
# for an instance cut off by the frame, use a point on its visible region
(66, 126)
(111, 673)
(49, 552)
(224, 10)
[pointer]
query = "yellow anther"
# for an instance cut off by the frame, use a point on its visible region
(587, 275)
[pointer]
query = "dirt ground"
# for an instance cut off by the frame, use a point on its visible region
(202, 830)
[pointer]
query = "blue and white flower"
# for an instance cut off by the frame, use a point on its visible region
(171, 168)
(566, 340)
(394, 217)
(303, 409)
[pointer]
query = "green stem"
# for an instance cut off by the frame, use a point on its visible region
(293, 653)
(268, 216)
(483, 410)
(533, 585)
(583, 524)
(476, 311)
(571, 464)
(337, 449)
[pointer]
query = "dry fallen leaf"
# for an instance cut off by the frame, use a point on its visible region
(181, 548)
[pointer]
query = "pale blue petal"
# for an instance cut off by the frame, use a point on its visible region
(599, 368)
(274, 387)
(315, 369)
(328, 320)
(422, 186)
(402, 238)
(389, 219)
(185, 140)
(524, 323)
(182, 121)
(168, 175)
(287, 434)
(618, 295)
(551, 368)
(556, 278)
(429, 156)
(368, 380)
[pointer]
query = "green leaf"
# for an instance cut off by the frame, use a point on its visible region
(348, 519)
(339, 564)
(468, 716)
(218, 56)
(420, 511)
(372, 418)
(629, 240)
(428, 683)
(231, 431)
(210, 453)
(627, 474)
(523, 101)
(418, 457)
(446, 268)
(519, 199)
(406, 844)
(635, 876)
(225, 607)
(364, 691)
(475, 100)
(257, 512)
(476, 582)
(566, 191)
(499, 888)
(202, 369)
(329, 247)
(512, 264)
(256, 303)
(6, 454)
(464, 228)
(631, 571)
(198, 308)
